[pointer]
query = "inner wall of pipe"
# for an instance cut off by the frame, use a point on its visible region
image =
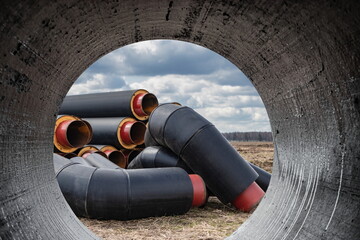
(78, 134)
(137, 132)
(149, 103)
(118, 158)
(302, 58)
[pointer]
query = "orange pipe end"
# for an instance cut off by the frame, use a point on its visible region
(137, 105)
(133, 132)
(116, 157)
(73, 133)
(61, 133)
(249, 199)
(144, 104)
(199, 195)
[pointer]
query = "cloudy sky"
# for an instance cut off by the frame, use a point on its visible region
(180, 72)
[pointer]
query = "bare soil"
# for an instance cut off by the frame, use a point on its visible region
(214, 221)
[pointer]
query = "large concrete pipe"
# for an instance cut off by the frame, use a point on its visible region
(303, 57)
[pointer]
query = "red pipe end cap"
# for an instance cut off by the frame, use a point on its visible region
(61, 133)
(137, 105)
(199, 196)
(108, 152)
(125, 132)
(248, 199)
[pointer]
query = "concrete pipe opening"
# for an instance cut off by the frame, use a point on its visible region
(303, 58)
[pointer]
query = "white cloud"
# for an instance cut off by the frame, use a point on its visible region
(96, 83)
(146, 47)
(220, 92)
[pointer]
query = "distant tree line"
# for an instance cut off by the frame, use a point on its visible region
(249, 136)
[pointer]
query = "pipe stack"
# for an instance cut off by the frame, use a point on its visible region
(176, 137)
(114, 119)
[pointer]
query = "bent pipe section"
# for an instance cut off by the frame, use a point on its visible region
(130, 154)
(105, 193)
(196, 141)
(96, 160)
(119, 132)
(133, 103)
(302, 57)
(159, 156)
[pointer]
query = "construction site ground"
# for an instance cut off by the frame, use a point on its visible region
(214, 221)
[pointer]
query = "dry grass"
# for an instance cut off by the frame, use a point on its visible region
(214, 221)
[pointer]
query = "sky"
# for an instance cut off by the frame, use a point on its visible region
(181, 72)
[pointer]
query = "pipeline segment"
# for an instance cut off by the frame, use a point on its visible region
(113, 154)
(80, 160)
(264, 177)
(159, 156)
(96, 160)
(130, 154)
(195, 140)
(87, 150)
(119, 132)
(103, 193)
(135, 103)
(70, 133)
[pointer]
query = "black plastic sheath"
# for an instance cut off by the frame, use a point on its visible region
(264, 177)
(123, 194)
(263, 180)
(110, 104)
(149, 140)
(96, 160)
(204, 149)
(80, 160)
(105, 131)
(157, 157)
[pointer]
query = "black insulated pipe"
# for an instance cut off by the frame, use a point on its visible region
(149, 140)
(130, 154)
(133, 103)
(80, 160)
(96, 160)
(119, 132)
(114, 155)
(157, 157)
(71, 133)
(263, 180)
(264, 177)
(84, 151)
(204, 149)
(67, 155)
(103, 193)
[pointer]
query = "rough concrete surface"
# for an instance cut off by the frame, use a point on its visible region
(302, 56)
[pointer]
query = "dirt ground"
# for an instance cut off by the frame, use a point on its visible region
(214, 221)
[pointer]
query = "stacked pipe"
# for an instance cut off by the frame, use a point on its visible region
(113, 119)
(71, 133)
(176, 136)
